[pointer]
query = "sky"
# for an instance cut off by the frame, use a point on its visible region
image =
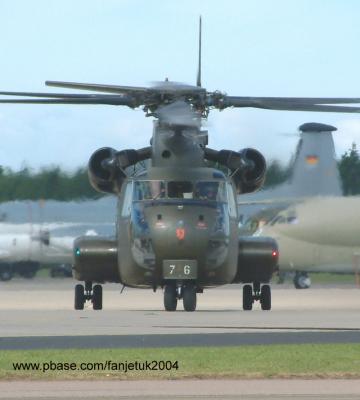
(250, 48)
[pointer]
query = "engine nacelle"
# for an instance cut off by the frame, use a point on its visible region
(107, 167)
(253, 176)
(96, 259)
(101, 177)
(257, 259)
(247, 166)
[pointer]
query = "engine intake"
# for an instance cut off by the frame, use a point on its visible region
(107, 167)
(247, 166)
(257, 259)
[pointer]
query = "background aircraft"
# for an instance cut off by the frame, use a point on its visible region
(314, 181)
(318, 235)
(48, 235)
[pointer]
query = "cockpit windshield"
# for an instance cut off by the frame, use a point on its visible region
(187, 190)
(180, 190)
(149, 190)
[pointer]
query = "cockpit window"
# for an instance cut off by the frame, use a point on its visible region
(210, 190)
(180, 190)
(149, 190)
(186, 190)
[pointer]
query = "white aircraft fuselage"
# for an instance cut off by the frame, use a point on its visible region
(318, 235)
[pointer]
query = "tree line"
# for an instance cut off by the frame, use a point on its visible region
(53, 183)
(49, 183)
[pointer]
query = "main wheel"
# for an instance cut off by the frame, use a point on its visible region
(170, 298)
(247, 297)
(265, 297)
(302, 280)
(6, 274)
(97, 297)
(189, 298)
(79, 297)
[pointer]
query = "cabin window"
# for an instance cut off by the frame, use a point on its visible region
(126, 208)
(232, 202)
(149, 190)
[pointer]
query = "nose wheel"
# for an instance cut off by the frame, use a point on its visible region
(170, 297)
(173, 293)
(189, 297)
(252, 293)
(82, 294)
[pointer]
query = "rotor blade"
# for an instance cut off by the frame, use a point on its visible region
(287, 106)
(106, 100)
(97, 87)
(241, 101)
(310, 107)
(49, 95)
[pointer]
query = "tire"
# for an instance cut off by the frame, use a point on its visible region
(265, 298)
(170, 299)
(302, 281)
(6, 274)
(97, 297)
(79, 297)
(189, 298)
(247, 298)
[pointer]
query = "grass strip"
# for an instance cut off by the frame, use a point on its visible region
(270, 361)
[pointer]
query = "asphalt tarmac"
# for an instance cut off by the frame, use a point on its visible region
(273, 389)
(39, 314)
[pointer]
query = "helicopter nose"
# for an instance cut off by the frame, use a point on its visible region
(183, 235)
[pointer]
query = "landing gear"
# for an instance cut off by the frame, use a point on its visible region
(27, 269)
(79, 297)
(265, 297)
(302, 280)
(88, 293)
(170, 297)
(255, 292)
(189, 297)
(247, 297)
(6, 272)
(174, 292)
(97, 297)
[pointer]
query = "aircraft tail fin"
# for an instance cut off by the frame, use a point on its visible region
(315, 171)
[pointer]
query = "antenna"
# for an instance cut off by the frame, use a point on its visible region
(198, 80)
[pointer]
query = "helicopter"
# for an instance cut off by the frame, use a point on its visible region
(177, 218)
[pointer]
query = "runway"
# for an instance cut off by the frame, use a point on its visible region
(177, 340)
(39, 314)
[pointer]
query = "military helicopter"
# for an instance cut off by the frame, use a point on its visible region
(177, 219)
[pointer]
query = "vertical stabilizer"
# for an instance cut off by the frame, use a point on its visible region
(315, 171)
(198, 79)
